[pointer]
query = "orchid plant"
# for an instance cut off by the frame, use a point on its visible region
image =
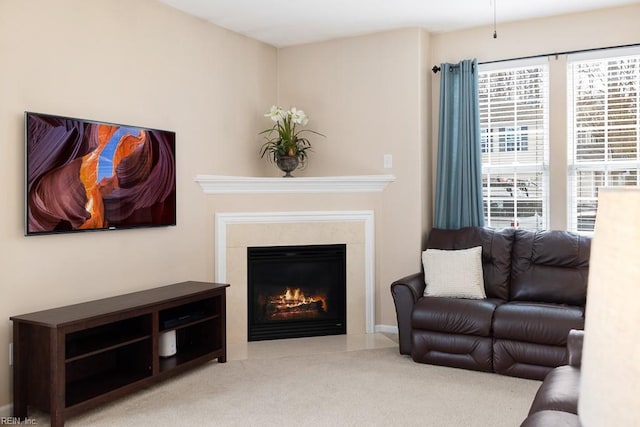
(284, 137)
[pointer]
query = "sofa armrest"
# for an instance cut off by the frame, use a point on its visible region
(574, 347)
(406, 292)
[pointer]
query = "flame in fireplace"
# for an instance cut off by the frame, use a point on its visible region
(295, 298)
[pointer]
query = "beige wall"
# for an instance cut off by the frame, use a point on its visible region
(137, 62)
(603, 28)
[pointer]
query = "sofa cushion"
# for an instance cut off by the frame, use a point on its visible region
(559, 391)
(454, 315)
(453, 273)
(540, 323)
(458, 351)
(550, 266)
(496, 253)
(526, 360)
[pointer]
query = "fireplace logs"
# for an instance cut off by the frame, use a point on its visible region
(294, 304)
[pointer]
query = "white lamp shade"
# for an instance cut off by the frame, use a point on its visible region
(610, 382)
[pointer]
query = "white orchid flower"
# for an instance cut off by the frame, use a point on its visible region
(275, 113)
(298, 116)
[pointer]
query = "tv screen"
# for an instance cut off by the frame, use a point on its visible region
(86, 175)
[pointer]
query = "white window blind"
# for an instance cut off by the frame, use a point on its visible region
(514, 104)
(604, 131)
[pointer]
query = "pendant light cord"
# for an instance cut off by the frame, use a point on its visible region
(495, 32)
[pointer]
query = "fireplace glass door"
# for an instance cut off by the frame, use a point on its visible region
(296, 291)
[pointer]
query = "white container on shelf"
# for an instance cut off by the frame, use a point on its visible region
(167, 344)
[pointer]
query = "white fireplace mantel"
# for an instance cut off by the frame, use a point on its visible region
(219, 184)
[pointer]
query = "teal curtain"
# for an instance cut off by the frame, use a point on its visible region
(459, 170)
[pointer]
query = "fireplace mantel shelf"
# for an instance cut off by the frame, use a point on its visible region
(218, 184)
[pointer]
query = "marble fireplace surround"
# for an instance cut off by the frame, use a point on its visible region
(234, 232)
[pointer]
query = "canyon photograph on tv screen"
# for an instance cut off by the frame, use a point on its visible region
(86, 175)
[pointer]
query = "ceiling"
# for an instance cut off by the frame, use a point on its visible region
(292, 22)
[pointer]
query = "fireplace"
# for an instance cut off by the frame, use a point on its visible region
(296, 291)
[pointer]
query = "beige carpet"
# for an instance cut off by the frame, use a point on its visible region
(355, 388)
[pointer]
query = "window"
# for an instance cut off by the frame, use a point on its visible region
(514, 103)
(604, 130)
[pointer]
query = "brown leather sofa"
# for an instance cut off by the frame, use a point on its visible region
(556, 402)
(536, 286)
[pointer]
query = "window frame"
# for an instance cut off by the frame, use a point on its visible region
(493, 140)
(581, 209)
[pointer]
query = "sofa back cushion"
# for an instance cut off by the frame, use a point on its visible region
(496, 253)
(550, 266)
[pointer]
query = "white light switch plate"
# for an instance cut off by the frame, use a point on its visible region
(388, 161)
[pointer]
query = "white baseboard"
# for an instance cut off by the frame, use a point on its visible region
(6, 410)
(387, 329)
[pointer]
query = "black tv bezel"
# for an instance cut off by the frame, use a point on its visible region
(28, 233)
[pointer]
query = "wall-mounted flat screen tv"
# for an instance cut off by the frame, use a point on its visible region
(86, 175)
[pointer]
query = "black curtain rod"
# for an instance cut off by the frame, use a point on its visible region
(436, 68)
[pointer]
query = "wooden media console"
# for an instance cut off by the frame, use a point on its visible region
(69, 359)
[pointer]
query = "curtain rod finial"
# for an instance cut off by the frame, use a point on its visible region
(435, 69)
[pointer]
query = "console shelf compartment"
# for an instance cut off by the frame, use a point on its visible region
(70, 359)
(86, 342)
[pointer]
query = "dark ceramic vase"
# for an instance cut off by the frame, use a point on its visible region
(287, 164)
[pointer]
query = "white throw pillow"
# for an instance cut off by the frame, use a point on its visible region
(453, 273)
